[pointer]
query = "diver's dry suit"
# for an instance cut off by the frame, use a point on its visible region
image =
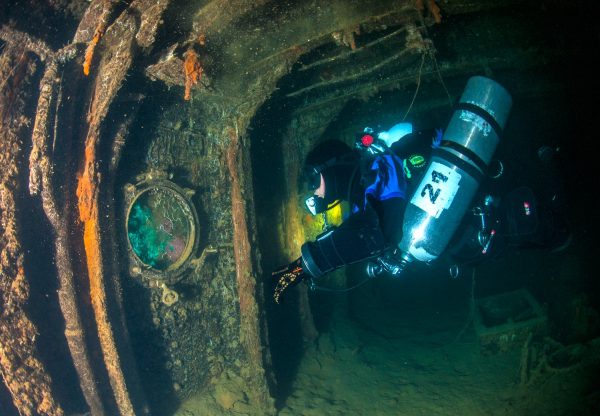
(377, 186)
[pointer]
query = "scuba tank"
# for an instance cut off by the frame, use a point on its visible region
(456, 169)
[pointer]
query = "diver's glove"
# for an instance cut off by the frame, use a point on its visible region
(288, 276)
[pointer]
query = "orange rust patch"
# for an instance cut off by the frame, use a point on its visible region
(87, 194)
(86, 189)
(435, 11)
(89, 52)
(192, 71)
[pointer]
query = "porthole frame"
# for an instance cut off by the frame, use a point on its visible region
(157, 181)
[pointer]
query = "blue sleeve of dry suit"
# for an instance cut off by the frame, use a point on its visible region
(388, 194)
(390, 181)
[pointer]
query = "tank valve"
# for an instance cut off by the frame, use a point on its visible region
(387, 264)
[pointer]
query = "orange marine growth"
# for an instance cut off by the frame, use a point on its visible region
(435, 11)
(432, 8)
(89, 52)
(192, 71)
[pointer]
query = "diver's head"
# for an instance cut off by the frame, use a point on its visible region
(328, 172)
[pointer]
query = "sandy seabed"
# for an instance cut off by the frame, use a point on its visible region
(422, 362)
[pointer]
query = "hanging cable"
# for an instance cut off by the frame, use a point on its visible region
(439, 74)
(430, 52)
(417, 89)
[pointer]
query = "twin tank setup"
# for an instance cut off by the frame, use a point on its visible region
(457, 167)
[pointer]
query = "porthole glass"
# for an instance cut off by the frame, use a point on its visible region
(160, 228)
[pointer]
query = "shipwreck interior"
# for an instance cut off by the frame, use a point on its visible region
(151, 157)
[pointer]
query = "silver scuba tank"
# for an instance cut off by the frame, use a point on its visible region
(456, 169)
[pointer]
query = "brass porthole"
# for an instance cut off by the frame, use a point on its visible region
(162, 229)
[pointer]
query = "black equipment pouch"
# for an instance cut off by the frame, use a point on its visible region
(520, 216)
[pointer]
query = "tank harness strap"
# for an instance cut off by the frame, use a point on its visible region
(463, 151)
(477, 174)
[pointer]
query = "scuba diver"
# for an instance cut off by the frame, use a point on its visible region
(410, 194)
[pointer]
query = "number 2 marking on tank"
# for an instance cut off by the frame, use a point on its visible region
(437, 189)
(436, 177)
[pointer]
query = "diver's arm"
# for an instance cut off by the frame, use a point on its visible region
(356, 239)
